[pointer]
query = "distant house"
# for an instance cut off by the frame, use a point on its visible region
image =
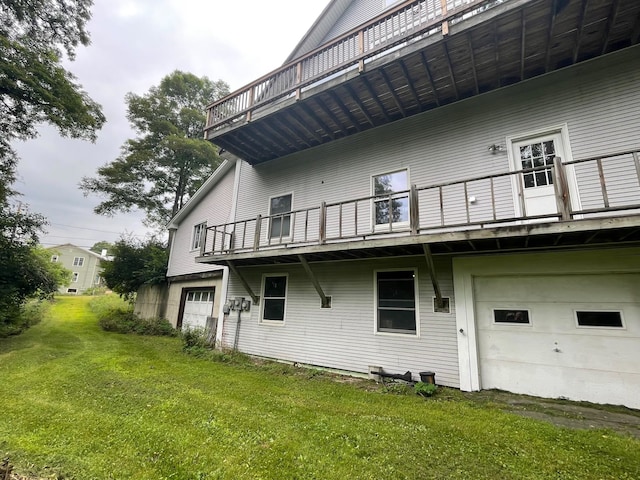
(85, 265)
(432, 185)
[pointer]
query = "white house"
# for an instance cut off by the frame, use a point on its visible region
(448, 186)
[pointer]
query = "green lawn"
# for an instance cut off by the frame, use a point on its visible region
(84, 404)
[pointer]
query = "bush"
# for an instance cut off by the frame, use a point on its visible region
(31, 313)
(425, 389)
(116, 315)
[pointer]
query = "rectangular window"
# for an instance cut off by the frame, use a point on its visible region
(599, 319)
(274, 297)
(538, 154)
(78, 261)
(396, 301)
(517, 316)
(198, 235)
(74, 277)
(279, 223)
(54, 258)
(389, 205)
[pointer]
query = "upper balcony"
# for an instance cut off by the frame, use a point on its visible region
(482, 214)
(418, 56)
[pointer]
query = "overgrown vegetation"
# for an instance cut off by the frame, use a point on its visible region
(80, 404)
(425, 389)
(31, 313)
(115, 314)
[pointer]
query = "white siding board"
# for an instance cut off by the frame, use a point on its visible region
(343, 337)
(214, 209)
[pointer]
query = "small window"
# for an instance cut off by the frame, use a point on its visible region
(54, 258)
(71, 290)
(198, 235)
(74, 277)
(514, 316)
(274, 298)
(78, 261)
(396, 302)
(611, 319)
(390, 206)
(279, 223)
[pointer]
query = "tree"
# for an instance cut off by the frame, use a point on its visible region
(169, 160)
(34, 87)
(98, 247)
(135, 264)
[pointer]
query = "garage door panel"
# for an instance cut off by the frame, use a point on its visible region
(198, 305)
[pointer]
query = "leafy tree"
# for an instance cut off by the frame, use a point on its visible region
(98, 247)
(135, 264)
(169, 160)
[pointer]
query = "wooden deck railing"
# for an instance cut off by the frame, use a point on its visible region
(407, 21)
(453, 206)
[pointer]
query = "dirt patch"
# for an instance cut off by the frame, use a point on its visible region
(564, 413)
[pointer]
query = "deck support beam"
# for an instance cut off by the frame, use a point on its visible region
(255, 298)
(432, 274)
(325, 301)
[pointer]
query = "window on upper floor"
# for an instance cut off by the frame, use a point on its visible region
(54, 258)
(391, 204)
(274, 296)
(395, 293)
(78, 261)
(74, 277)
(279, 223)
(198, 235)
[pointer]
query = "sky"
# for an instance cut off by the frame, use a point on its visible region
(134, 44)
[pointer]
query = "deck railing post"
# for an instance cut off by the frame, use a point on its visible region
(256, 238)
(414, 213)
(323, 223)
(203, 241)
(561, 188)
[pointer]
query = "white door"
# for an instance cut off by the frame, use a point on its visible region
(573, 336)
(198, 305)
(536, 187)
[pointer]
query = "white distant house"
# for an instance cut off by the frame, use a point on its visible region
(447, 186)
(86, 267)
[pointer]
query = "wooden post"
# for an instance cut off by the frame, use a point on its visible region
(445, 24)
(561, 188)
(636, 160)
(603, 183)
(432, 274)
(251, 95)
(361, 51)
(414, 214)
(325, 301)
(256, 238)
(323, 223)
(203, 241)
(245, 284)
(298, 79)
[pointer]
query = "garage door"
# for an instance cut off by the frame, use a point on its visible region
(198, 305)
(571, 336)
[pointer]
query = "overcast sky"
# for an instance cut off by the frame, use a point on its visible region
(134, 43)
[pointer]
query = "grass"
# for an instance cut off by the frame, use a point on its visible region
(81, 403)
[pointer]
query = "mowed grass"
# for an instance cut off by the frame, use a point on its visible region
(81, 403)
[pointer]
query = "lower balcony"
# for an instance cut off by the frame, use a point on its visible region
(583, 203)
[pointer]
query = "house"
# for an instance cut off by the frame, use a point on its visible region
(449, 186)
(84, 265)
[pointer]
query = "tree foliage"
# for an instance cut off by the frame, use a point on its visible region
(160, 169)
(135, 264)
(98, 247)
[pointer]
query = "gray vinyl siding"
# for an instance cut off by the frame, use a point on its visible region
(356, 14)
(215, 209)
(343, 337)
(599, 102)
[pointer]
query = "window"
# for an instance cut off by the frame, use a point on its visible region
(75, 276)
(384, 187)
(54, 258)
(274, 297)
(517, 316)
(396, 301)
(78, 261)
(280, 225)
(599, 319)
(72, 290)
(534, 155)
(198, 235)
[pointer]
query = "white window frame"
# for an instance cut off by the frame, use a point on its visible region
(264, 299)
(512, 324)
(285, 238)
(74, 277)
(598, 327)
(197, 233)
(78, 261)
(416, 287)
(54, 258)
(395, 225)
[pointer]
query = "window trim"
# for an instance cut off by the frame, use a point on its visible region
(379, 227)
(416, 288)
(512, 324)
(74, 277)
(195, 246)
(78, 261)
(264, 298)
(55, 258)
(285, 238)
(623, 325)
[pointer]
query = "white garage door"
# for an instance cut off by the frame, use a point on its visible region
(198, 305)
(572, 336)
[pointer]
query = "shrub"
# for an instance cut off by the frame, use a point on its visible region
(425, 389)
(116, 315)
(31, 313)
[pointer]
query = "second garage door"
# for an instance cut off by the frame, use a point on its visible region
(573, 336)
(198, 305)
